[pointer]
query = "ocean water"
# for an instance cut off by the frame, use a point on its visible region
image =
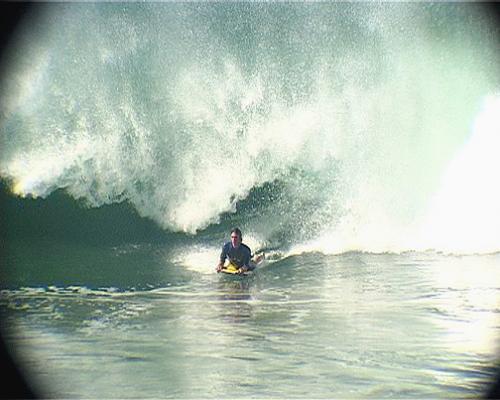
(354, 143)
(416, 325)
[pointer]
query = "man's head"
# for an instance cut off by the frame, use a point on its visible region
(236, 237)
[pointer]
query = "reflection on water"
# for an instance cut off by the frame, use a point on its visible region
(235, 296)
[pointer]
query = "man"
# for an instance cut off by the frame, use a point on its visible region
(237, 253)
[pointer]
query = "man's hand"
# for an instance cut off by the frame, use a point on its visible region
(242, 270)
(219, 267)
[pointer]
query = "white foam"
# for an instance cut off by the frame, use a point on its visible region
(200, 259)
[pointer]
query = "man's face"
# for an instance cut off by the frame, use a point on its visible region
(235, 239)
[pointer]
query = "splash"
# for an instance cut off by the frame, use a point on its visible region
(462, 216)
(465, 213)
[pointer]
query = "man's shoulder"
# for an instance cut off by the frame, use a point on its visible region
(246, 247)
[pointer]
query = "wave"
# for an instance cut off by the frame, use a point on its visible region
(325, 127)
(60, 217)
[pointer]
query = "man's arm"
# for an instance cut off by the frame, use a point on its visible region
(246, 263)
(222, 259)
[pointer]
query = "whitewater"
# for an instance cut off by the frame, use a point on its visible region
(354, 143)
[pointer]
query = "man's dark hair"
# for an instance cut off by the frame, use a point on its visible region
(238, 232)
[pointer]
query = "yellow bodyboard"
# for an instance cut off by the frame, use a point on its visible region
(231, 269)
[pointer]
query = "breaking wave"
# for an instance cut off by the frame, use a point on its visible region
(329, 127)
